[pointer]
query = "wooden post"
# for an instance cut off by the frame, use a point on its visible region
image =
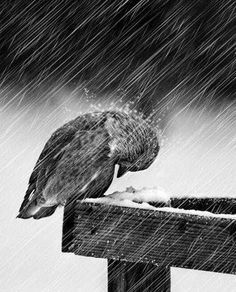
(137, 277)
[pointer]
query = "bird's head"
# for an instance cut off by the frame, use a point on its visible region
(141, 151)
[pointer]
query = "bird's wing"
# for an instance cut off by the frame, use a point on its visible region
(53, 151)
(48, 159)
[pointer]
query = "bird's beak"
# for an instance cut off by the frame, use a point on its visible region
(121, 171)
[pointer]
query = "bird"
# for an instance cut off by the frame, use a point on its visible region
(78, 161)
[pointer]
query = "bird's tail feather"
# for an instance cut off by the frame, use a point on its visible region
(45, 212)
(29, 210)
(37, 211)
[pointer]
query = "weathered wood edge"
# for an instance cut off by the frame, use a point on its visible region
(215, 205)
(157, 213)
(71, 243)
(68, 226)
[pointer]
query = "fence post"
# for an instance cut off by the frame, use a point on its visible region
(137, 277)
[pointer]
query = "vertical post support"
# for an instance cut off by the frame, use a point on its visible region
(137, 277)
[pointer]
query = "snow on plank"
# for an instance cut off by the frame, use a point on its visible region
(164, 238)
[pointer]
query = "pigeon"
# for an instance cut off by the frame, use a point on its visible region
(78, 160)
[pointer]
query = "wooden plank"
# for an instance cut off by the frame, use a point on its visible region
(214, 205)
(137, 277)
(154, 237)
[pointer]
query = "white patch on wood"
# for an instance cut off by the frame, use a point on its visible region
(155, 194)
(126, 199)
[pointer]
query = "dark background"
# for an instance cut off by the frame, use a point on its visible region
(132, 48)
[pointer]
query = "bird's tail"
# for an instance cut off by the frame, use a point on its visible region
(29, 210)
(36, 210)
(45, 212)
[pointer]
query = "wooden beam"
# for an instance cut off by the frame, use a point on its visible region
(152, 237)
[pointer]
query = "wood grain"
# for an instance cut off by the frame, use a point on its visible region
(152, 237)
